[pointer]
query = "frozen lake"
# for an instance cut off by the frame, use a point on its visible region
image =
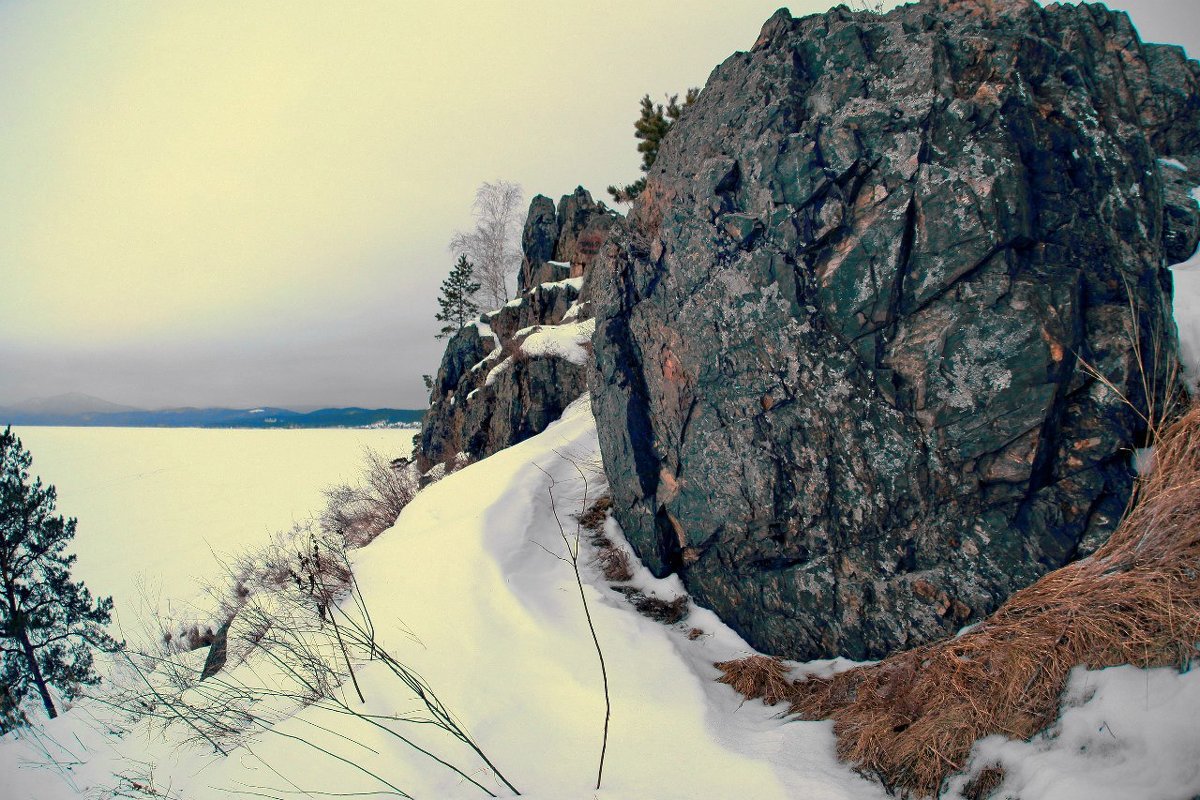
(159, 509)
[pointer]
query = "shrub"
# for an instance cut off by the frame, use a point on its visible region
(360, 512)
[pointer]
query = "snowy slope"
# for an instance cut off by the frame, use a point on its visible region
(468, 590)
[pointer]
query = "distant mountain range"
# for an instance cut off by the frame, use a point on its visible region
(76, 409)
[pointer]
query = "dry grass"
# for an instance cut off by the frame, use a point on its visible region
(984, 783)
(593, 518)
(912, 718)
(613, 562)
(667, 612)
(757, 678)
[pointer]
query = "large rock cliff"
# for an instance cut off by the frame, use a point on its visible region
(509, 374)
(875, 344)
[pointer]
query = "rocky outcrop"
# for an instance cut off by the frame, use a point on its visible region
(509, 374)
(847, 343)
(560, 244)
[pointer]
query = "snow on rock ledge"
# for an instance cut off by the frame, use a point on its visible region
(571, 341)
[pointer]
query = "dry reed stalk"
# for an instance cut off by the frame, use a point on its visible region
(913, 718)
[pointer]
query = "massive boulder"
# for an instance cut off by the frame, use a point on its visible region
(507, 375)
(876, 342)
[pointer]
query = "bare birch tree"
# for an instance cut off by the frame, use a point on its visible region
(494, 245)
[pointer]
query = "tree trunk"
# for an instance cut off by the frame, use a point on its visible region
(36, 671)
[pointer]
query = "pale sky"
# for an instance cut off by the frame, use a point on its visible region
(248, 203)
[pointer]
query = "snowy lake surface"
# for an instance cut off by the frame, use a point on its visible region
(161, 509)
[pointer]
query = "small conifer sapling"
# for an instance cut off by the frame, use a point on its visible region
(651, 128)
(457, 299)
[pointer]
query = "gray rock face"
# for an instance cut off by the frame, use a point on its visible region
(508, 375)
(839, 364)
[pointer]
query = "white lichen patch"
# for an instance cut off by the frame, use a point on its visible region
(969, 379)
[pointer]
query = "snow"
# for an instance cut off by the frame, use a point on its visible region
(485, 330)
(572, 313)
(569, 341)
(469, 591)
(1173, 163)
(575, 283)
(1124, 732)
(498, 370)
(1187, 312)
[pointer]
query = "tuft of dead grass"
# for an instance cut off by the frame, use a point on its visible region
(985, 783)
(613, 562)
(913, 718)
(593, 518)
(669, 612)
(757, 678)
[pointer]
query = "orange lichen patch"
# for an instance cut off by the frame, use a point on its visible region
(680, 533)
(671, 368)
(1057, 351)
(668, 486)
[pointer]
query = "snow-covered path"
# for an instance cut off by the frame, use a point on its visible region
(468, 590)
(511, 647)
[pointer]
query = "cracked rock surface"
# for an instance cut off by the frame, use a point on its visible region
(839, 363)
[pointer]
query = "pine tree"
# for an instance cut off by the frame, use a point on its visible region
(651, 127)
(48, 623)
(457, 298)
